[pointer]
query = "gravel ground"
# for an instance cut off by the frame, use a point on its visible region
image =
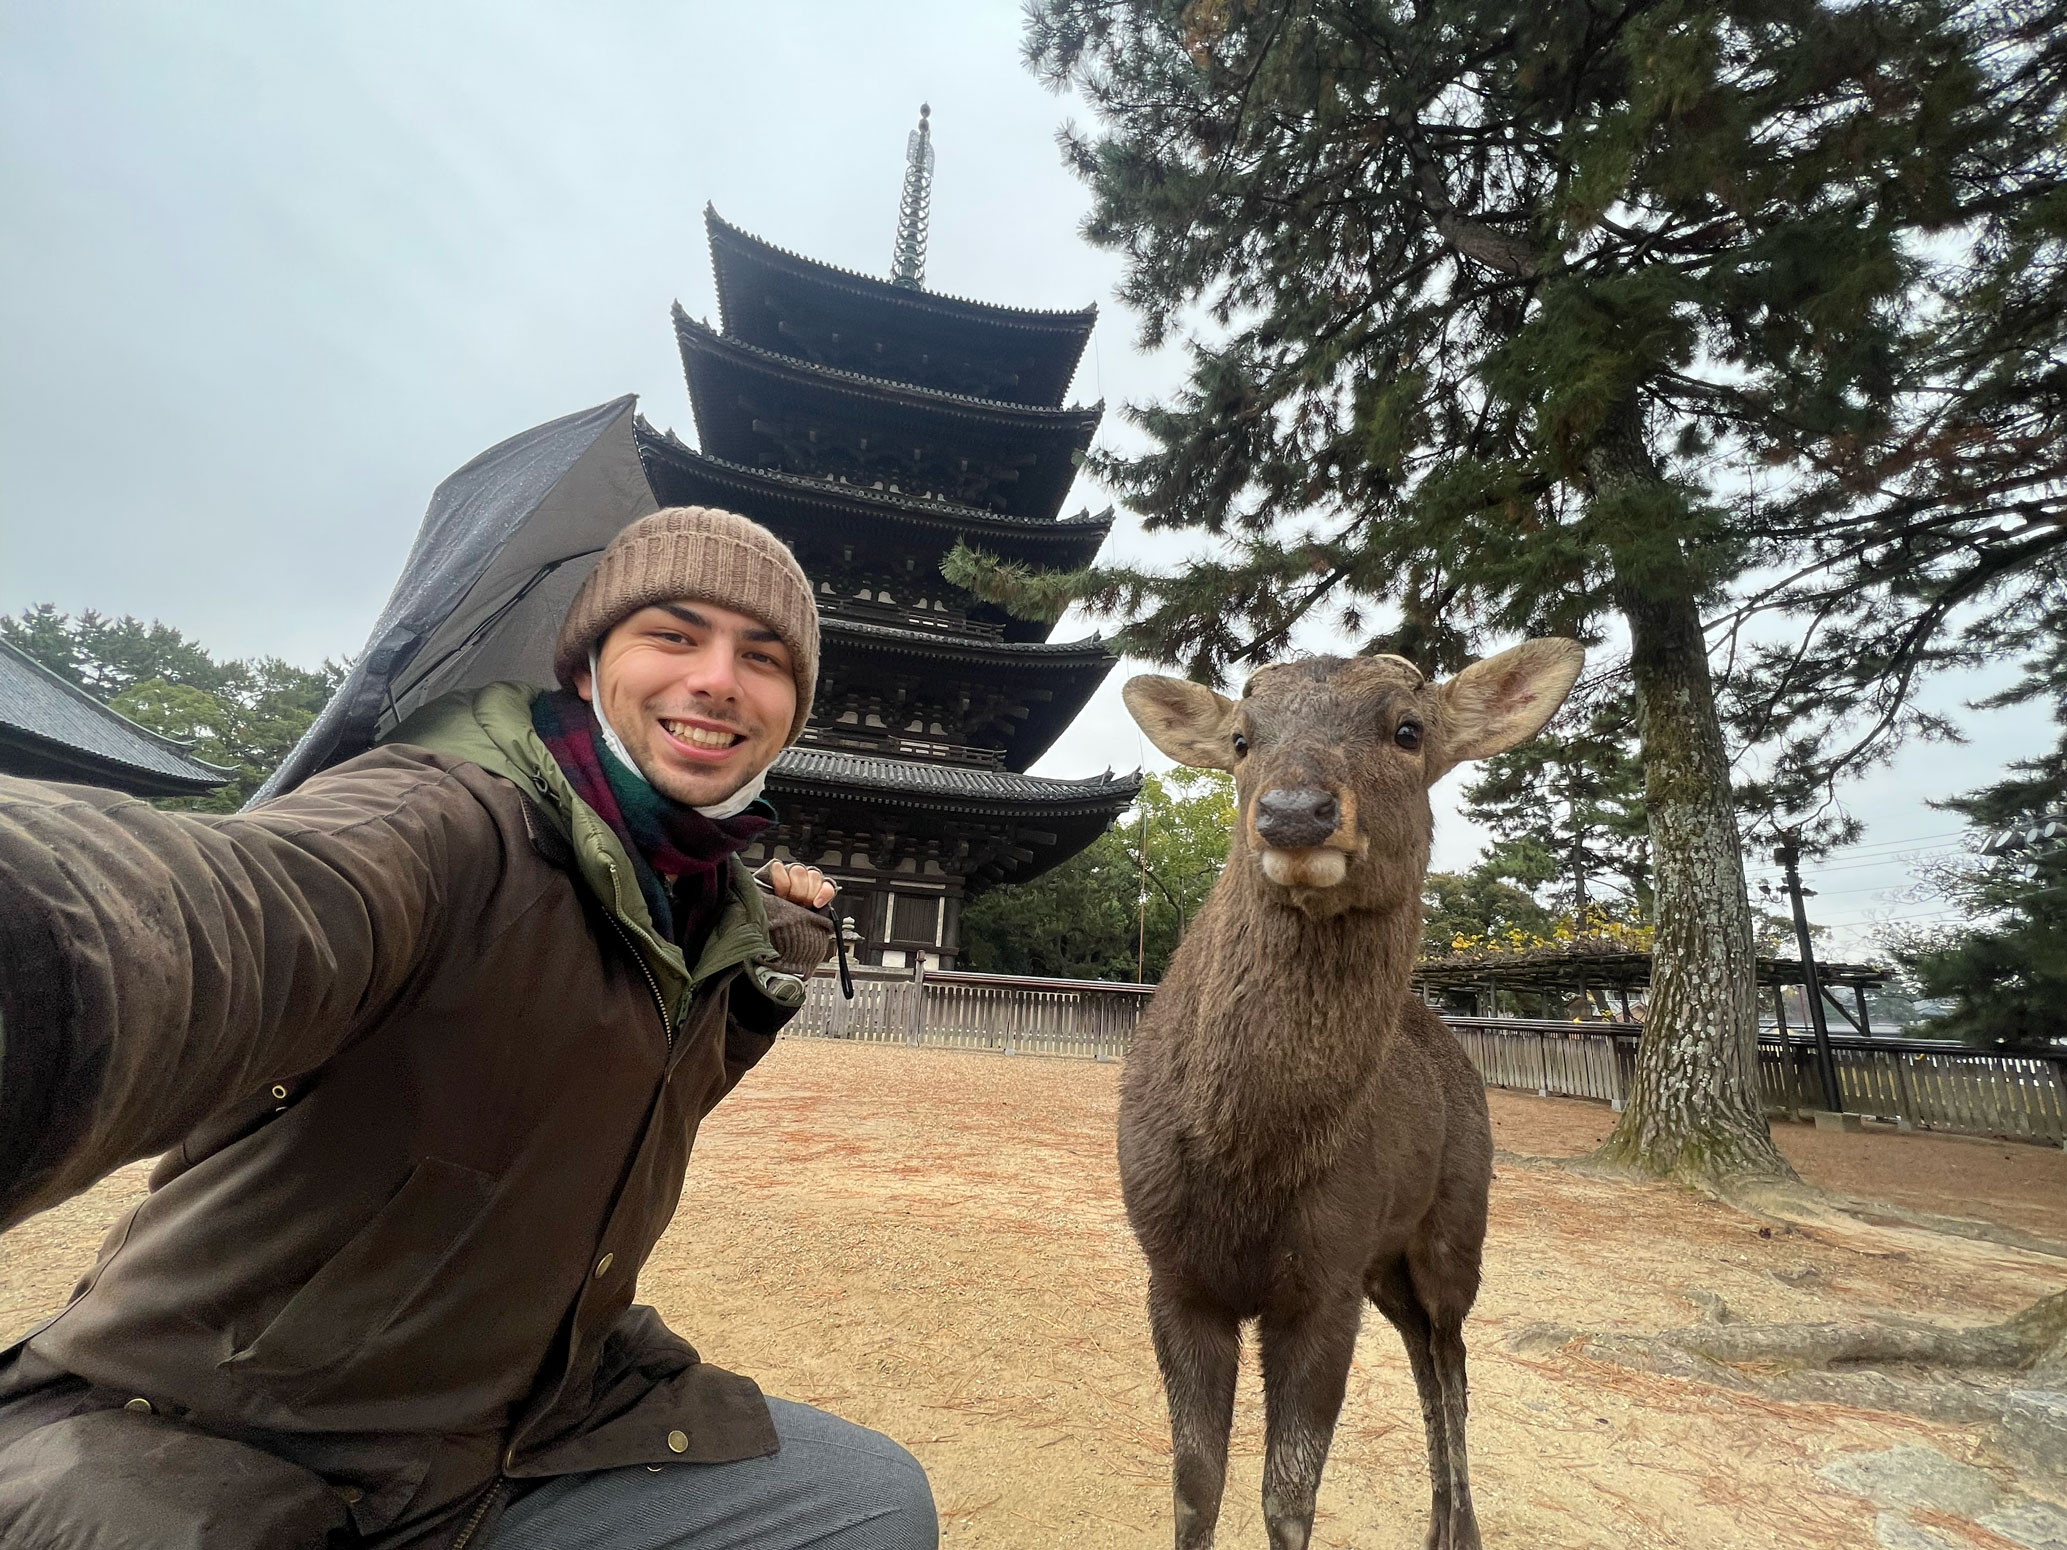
(931, 1243)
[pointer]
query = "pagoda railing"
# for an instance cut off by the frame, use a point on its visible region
(902, 745)
(896, 615)
(1916, 1084)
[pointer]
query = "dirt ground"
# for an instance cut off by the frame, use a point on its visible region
(932, 1243)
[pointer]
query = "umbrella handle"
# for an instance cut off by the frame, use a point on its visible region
(840, 945)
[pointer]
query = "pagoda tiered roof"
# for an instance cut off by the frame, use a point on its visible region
(791, 305)
(873, 425)
(1034, 822)
(682, 476)
(765, 410)
(1053, 678)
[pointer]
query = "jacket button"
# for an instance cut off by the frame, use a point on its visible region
(140, 1405)
(678, 1442)
(603, 1265)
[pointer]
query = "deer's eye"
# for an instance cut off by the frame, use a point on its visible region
(1408, 735)
(1241, 745)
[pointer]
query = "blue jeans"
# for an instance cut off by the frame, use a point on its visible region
(833, 1486)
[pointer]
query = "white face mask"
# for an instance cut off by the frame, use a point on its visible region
(731, 807)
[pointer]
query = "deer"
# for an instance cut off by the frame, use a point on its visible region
(1297, 1131)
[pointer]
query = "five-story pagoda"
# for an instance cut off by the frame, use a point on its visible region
(871, 424)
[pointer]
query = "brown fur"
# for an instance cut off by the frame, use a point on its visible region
(1297, 1132)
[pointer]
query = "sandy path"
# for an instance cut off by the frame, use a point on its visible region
(932, 1243)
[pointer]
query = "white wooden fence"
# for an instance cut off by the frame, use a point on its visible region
(1915, 1083)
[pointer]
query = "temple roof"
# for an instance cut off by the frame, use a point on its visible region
(1055, 678)
(765, 410)
(1041, 656)
(680, 475)
(791, 305)
(52, 730)
(1033, 823)
(953, 786)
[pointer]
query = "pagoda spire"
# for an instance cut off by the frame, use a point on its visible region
(914, 207)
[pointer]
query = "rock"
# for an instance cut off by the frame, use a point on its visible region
(2032, 1524)
(1892, 1531)
(2034, 1434)
(1710, 1304)
(1538, 1339)
(1917, 1477)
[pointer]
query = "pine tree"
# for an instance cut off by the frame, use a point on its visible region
(1567, 816)
(1491, 306)
(2007, 975)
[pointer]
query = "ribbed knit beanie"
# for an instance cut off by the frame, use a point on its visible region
(696, 554)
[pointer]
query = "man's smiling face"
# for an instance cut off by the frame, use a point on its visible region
(701, 696)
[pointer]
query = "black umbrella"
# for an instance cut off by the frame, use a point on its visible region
(503, 547)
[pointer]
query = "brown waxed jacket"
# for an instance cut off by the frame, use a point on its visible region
(425, 1083)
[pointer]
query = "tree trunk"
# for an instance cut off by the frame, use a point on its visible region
(1694, 1110)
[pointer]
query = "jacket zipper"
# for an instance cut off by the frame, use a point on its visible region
(667, 1025)
(480, 1512)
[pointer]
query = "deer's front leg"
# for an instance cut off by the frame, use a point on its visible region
(1198, 1350)
(1305, 1370)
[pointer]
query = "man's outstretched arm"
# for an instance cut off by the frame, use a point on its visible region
(158, 967)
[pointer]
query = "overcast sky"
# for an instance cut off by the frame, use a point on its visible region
(271, 270)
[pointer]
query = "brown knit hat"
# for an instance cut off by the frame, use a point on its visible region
(696, 554)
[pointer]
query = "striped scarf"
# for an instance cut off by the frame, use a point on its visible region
(678, 854)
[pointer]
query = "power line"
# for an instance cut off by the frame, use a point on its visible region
(1915, 839)
(1863, 866)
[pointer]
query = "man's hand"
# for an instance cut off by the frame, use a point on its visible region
(804, 885)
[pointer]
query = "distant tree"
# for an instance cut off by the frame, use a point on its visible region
(1567, 814)
(2006, 971)
(243, 715)
(1189, 820)
(1074, 921)
(1085, 919)
(1475, 905)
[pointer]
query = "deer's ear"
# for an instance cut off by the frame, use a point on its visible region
(1188, 721)
(1505, 700)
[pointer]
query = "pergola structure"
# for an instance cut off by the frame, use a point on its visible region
(1580, 970)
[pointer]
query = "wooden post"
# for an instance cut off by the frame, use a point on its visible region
(1789, 856)
(1905, 1106)
(2059, 1070)
(915, 1022)
(1789, 1066)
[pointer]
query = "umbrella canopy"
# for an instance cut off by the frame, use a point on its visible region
(505, 544)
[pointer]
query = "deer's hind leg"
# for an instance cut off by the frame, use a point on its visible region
(1391, 1287)
(1305, 1370)
(1443, 1266)
(1198, 1350)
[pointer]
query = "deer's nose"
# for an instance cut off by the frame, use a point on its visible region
(1296, 817)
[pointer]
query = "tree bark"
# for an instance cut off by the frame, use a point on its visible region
(1694, 1110)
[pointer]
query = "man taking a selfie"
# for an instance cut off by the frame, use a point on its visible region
(424, 1046)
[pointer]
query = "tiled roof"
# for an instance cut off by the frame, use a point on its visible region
(825, 765)
(42, 710)
(691, 334)
(1089, 652)
(919, 507)
(1068, 322)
